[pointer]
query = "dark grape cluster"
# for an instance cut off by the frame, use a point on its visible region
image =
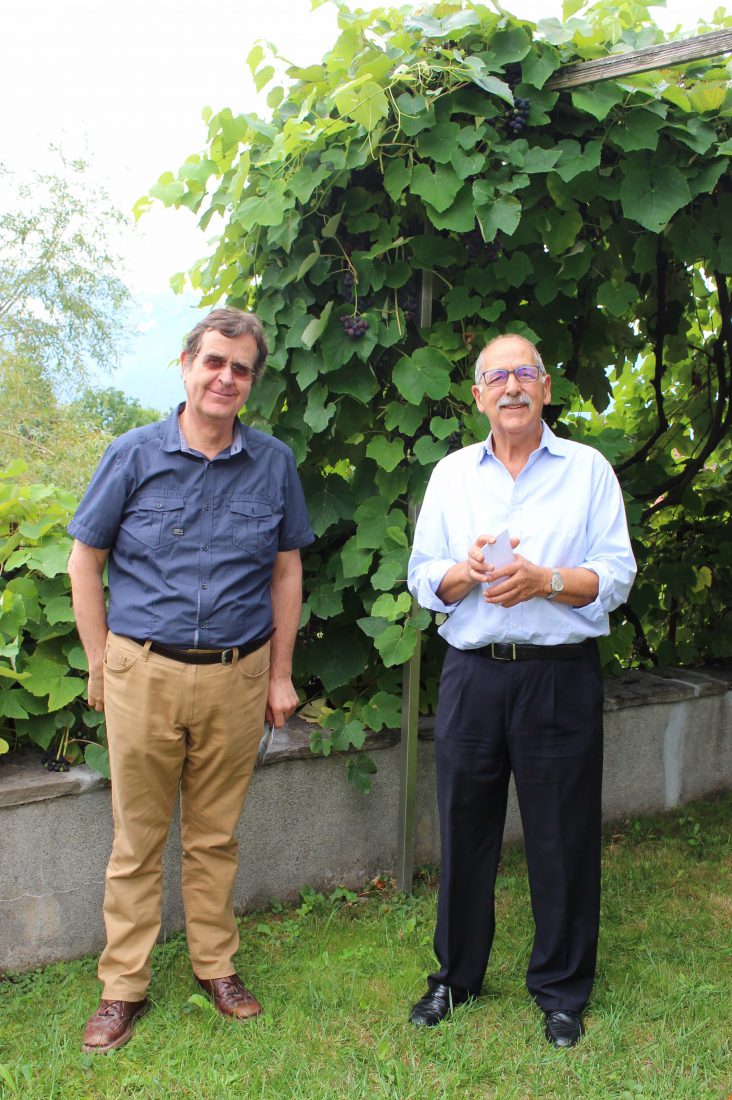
(52, 762)
(347, 288)
(355, 326)
(516, 117)
(408, 300)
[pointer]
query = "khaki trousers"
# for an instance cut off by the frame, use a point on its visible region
(175, 727)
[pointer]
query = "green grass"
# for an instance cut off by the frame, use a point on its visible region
(337, 978)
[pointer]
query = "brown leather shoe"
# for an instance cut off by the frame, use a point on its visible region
(230, 997)
(112, 1025)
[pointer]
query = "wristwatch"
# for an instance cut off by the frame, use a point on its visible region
(557, 584)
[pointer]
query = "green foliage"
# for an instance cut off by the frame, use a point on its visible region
(62, 309)
(111, 411)
(42, 665)
(427, 146)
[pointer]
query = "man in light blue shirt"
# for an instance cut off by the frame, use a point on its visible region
(521, 687)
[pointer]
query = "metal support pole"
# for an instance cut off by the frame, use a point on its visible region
(410, 695)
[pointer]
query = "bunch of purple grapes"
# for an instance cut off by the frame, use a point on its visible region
(348, 287)
(355, 326)
(52, 762)
(408, 301)
(515, 118)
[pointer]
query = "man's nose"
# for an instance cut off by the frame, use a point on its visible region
(225, 374)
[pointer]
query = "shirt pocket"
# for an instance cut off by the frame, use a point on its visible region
(254, 524)
(156, 520)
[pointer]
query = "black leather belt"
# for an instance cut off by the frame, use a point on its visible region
(204, 657)
(513, 651)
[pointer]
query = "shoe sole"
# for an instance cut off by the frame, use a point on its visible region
(88, 1048)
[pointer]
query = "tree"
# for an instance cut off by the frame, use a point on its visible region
(112, 411)
(428, 145)
(62, 310)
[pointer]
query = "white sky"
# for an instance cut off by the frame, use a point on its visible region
(123, 85)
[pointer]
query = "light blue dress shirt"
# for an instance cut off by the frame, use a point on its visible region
(567, 509)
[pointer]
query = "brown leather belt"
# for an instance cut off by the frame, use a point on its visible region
(514, 651)
(204, 657)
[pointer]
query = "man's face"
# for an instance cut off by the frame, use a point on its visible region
(218, 379)
(513, 408)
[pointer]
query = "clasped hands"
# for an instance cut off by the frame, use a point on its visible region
(511, 584)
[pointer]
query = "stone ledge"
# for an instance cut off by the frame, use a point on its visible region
(22, 779)
(664, 685)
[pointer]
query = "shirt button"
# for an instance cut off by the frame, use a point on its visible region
(210, 465)
(207, 508)
(204, 586)
(203, 626)
(204, 547)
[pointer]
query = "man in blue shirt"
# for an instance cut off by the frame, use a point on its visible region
(521, 687)
(200, 520)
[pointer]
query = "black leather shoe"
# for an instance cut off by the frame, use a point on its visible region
(563, 1029)
(436, 1004)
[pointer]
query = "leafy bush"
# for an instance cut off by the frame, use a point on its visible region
(42, 664)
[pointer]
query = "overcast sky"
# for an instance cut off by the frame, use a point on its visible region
(123, 85)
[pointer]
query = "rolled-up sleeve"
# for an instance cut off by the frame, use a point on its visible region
(609, 553)
(430, 560)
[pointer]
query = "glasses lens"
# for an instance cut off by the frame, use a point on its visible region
(527, 374)
(495, 377)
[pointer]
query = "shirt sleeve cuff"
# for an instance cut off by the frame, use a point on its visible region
(597, 611)
(96, 539)
(426, 583)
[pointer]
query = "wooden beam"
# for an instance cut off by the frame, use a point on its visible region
(660, 56)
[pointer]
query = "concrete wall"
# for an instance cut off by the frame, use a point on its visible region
(668, 739)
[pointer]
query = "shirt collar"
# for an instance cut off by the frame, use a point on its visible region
(174, 440)
(548, 442)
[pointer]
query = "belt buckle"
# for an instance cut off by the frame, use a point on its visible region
(496, 657)
(227, 656)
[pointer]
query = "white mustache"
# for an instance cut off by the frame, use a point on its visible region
(519, 399)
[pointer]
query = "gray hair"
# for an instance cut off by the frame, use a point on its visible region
(506, 336)
(230, 322)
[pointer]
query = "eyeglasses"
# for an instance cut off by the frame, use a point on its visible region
(525, 373)
(239, 370)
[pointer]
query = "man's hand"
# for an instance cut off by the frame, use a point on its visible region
(86, 566)
(281, 701)
(95, 689)
(462, 577)
(478, 570)
(517, 582)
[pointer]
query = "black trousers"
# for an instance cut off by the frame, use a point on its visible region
(541, 720)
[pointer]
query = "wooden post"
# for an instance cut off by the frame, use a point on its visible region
(410, 694)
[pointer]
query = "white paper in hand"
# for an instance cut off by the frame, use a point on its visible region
(264, 745)
(498, 553)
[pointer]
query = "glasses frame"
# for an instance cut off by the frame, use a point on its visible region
(503, 373)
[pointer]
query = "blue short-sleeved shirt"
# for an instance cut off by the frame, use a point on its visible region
(192, 541)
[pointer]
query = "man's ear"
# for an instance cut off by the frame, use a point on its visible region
(547, 389)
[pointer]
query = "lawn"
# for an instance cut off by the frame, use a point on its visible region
(337, 976)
